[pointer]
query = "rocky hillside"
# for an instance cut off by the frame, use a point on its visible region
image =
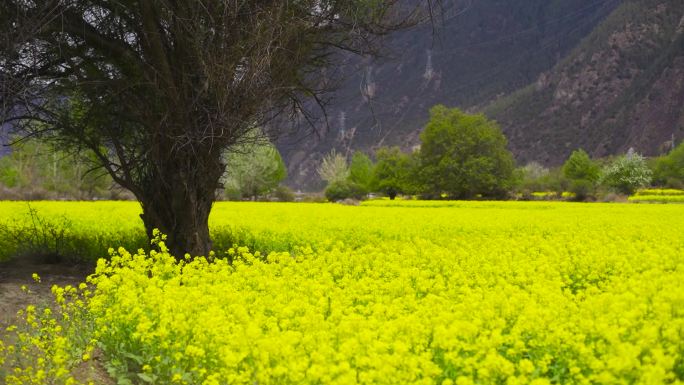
(4, 140)
(621, 87)
(478, 52)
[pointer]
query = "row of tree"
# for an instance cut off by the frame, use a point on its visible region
(588, 178)
(461, 156)
(464, 156)
(36, 170)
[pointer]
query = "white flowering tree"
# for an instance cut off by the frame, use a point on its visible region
(627, 173)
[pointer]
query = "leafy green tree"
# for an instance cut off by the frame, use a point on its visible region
(392, 172)
(253, 170)
(464, 155)
(582, 174)
(361, 171)
(580, 166)
(669, 169)
(627, 173)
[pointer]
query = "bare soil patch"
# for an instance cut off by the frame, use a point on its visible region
(18, 272)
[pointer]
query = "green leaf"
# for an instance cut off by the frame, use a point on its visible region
(147, 377)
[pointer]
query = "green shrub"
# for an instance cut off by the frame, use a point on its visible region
(582, 189)
(341, 190)
(533, 177)
(284, 194)
(669, 169)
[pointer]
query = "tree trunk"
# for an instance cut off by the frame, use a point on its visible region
(178, 202)
(183, 218)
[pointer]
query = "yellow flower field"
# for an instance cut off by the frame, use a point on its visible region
(404, 292)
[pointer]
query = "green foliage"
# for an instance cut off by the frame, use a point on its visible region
(9, 175)
(284, 194)
(392, 172)
(253, 170)
(533, 177)
(345, 181)
(669, 169)
(627, 173)
(36, 169)
(361, 170)
(580, 166)
(582, 174)
(340, 190)
(464, 155)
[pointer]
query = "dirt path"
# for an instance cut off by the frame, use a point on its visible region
(19, 272)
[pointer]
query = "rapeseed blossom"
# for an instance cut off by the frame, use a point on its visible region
(467, 293)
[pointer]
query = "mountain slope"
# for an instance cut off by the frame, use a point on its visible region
(480, 50)
(622, 87)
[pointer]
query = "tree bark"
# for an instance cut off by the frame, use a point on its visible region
(177, 196)
(183, 217)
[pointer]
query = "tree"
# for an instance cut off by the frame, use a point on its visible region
(464, 155)
(333, 168)
(253, 170)
(392, 172)
(580, 166)
(158, 90)
(535, 177)
(34, 169)
(627, 173)
(669, 169)
(582, 173)
(361, 171)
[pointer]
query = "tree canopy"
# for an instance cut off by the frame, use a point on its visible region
(392, 172)
(361, 171)
(669, 169)
(158, 90)
(582, 173)
(464, 155)
(253, 169)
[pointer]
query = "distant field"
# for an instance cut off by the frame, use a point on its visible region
(87, 229)
(403, 292)
(658, 196)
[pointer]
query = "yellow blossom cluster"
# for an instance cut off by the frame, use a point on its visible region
(395, 293)
(45, 345)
